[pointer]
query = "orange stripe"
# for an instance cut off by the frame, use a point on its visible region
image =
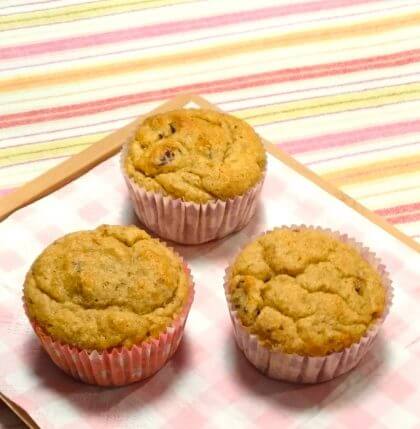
(375, 170)
(311, 36)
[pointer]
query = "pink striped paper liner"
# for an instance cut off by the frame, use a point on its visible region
(188, 222)
(307, 369)
(118, 366)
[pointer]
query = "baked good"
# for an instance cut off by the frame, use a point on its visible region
(194, 175)
(305, 291)
(195, 155)
(111, 287)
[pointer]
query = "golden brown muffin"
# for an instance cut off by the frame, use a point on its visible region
(108, 287)
(196, 155)
(303, 291)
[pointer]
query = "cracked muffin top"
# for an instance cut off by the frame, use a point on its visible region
(108, 287)
(196, 155)
(303, 291)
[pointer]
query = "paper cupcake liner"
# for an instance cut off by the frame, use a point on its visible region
(118, 366)
(187, 222)
(306, 369)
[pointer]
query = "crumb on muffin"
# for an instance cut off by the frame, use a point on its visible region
(196, 155)
(303, 291)
(113, 286)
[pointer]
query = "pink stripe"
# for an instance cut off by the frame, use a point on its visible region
(362, 152)
(6, 191)
(350, 137)
(399, 209)
(235, 83)
(412, 217)
(161, 29)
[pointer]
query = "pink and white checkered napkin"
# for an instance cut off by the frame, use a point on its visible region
(208, 383)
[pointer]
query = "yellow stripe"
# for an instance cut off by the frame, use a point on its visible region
(374, 171)
(81, 11)
(330, 104)
(217, 52)
(33, 152)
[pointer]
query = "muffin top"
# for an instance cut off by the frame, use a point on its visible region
(303, 291)
(196, 155)
(108, 287)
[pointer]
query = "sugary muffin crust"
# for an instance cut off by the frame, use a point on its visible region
(303, 291)
(108, 287)
(197, 155)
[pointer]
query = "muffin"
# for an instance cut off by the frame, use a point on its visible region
(108, 305)
(306, 303)
(194, 175)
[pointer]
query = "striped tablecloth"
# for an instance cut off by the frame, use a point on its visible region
(333, 82)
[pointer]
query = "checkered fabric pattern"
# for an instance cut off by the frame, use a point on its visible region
(209, 383)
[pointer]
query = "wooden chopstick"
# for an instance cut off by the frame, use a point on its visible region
(21, 413)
